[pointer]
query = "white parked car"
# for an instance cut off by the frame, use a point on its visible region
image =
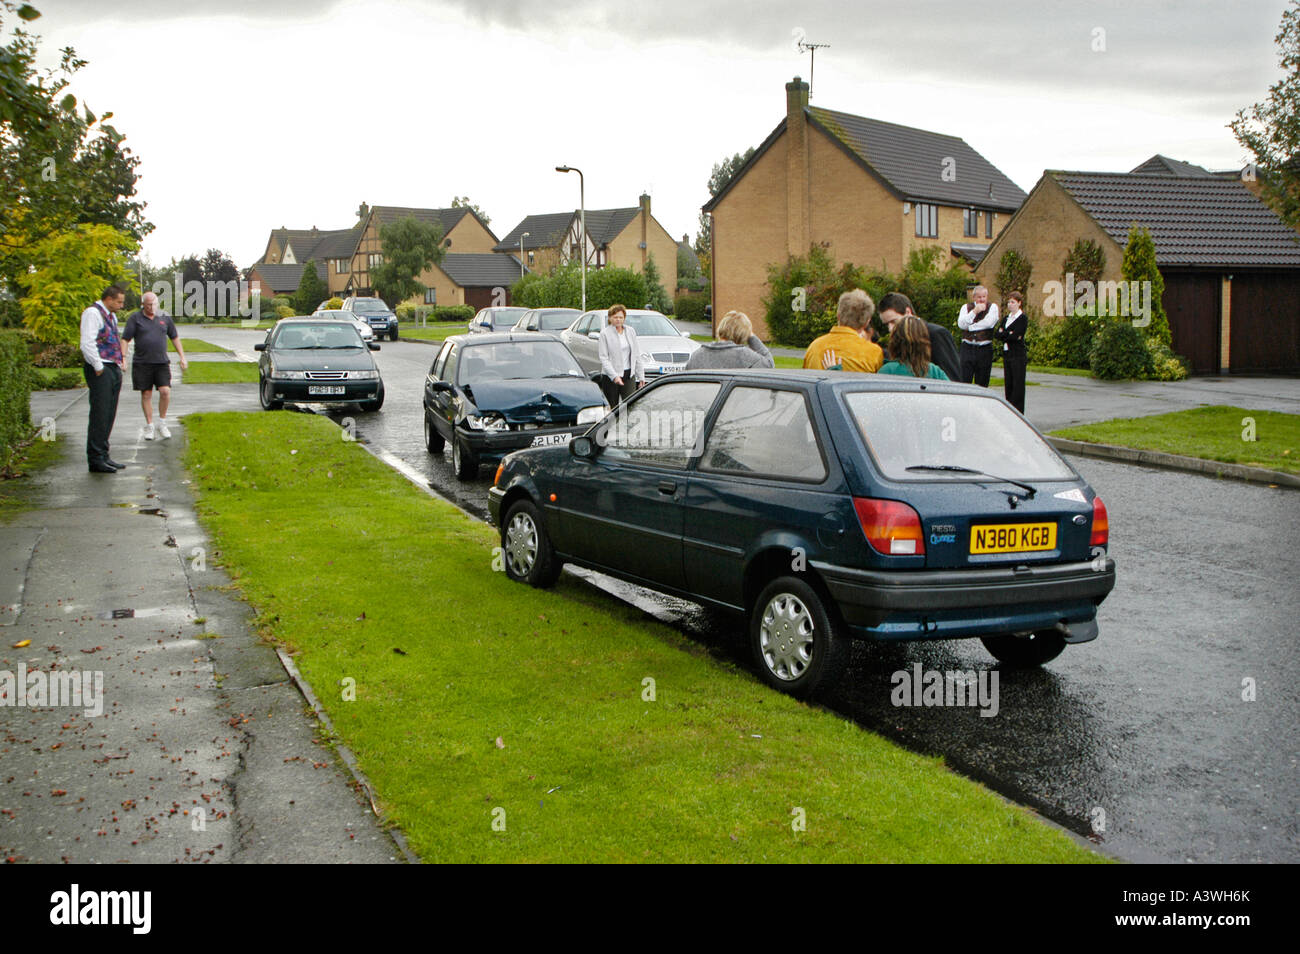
(664, 348)
(363, 328)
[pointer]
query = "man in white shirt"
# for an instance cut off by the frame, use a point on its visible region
(976, 322)
(102, 362)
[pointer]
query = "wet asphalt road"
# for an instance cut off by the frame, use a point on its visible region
(1141, 739)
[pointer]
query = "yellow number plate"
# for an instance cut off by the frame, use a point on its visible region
(1012, 538)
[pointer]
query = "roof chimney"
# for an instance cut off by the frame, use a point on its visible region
(796, 167)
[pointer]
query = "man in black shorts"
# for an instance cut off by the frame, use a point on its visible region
(149, 331)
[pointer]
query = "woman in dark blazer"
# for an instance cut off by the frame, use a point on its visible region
(621, 365)
(1014, 356)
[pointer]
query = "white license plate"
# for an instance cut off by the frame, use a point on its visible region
(325, 389)
(546, 440)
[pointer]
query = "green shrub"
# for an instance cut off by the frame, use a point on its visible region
(1043, 343)
(64, 379)
(1076, 337)
(452, 313)
(284, 311)
(1165, 365)
(1139, 265)
(334, 304)
(1120, 352)
(690, 308)
(1014, 271)
(16, 382)
(11, 313)
(57, 355)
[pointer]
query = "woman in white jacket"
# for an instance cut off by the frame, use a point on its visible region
(621, 364)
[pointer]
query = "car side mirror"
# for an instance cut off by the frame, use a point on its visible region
(583, 447)
(373, 346)
(439, 386)
(593, 335)
(686, 334)
(260, 346)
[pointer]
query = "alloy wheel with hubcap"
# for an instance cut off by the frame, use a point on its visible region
(529, 557)
(795, 641)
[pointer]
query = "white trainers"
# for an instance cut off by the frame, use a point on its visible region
(148, 431)
(163, 429)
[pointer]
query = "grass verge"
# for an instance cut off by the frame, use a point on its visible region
(1211, 433)
(480, 700)
(16, 493)
(59, 379)
(434, 331)
(220, 372)
(199, 346)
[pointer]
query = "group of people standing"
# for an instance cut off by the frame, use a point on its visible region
(917, 347)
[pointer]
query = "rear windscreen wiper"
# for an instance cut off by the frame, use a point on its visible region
(952, 468)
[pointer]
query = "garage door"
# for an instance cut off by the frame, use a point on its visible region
(1192, 304)
(1265, 332)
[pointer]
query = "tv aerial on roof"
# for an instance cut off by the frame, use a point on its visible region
(811, 48)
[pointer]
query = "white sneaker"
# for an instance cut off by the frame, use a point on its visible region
(148, 431)
(163, 429)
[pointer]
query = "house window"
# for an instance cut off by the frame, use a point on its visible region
(927, 220)
(988, 224)
(340, 266)
(970, 219)
(431, 296)
(376, 259)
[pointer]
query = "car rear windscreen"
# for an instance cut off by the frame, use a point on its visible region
(927, 429)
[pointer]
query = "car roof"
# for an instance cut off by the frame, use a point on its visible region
(840, 380)
(492, 337)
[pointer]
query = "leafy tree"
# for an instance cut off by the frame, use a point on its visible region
(311, 290)
(60, 164)
(410, 247)
(1086, 260)
(217, 266)
(1271, 130)
(723, 173)
(656, 295)
(70, 271)
(1140, 266)
(1013, 273)
(463, 202)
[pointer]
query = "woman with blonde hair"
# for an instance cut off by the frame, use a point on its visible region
(736, 346)
(909, 351)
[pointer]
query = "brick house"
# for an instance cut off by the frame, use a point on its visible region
(625, 238)
(1231, 266)
(869, 191)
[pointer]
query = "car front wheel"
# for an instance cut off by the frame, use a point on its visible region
(526, 549)
(796, 643)
(433, 441)
(266, 392)
(1025, 652)
(463, 460)
(392, 335)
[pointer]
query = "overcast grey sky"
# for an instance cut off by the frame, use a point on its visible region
(249, 115)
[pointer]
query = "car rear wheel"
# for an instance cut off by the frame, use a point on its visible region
(266, 393)
(1025, 652)
(529, 557)
(392, 335)
(433, 441)
(463, 460)
(795, 641)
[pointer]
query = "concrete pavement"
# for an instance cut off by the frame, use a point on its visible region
(204, 749)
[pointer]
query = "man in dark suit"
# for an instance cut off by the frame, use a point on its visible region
(101, 356)
(896, 306)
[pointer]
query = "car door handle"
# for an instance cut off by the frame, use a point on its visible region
(668, 486)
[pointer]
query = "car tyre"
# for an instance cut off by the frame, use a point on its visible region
(1025, 652)
(796, 642)
(265, 393)
(463, 460)
(526, 547)
(392, 335)
(433, 441)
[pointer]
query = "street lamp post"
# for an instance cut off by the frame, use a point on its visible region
(521, 254)
(582, 227)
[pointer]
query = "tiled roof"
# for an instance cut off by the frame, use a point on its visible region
(544, 231)
(547, 231)
(913, 161)
(285, 278)
(339, 244)
(969, 250)
(1159, 165)
(1193, 220)
(447, 218)
(481, 269)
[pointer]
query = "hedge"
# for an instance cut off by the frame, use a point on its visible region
(16, 381)
(690, 308)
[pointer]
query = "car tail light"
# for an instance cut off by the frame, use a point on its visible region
(892, 528)
(1100, 524)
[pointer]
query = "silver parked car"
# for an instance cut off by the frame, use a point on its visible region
(664, 348)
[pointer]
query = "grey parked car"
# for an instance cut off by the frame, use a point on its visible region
(664, 347)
